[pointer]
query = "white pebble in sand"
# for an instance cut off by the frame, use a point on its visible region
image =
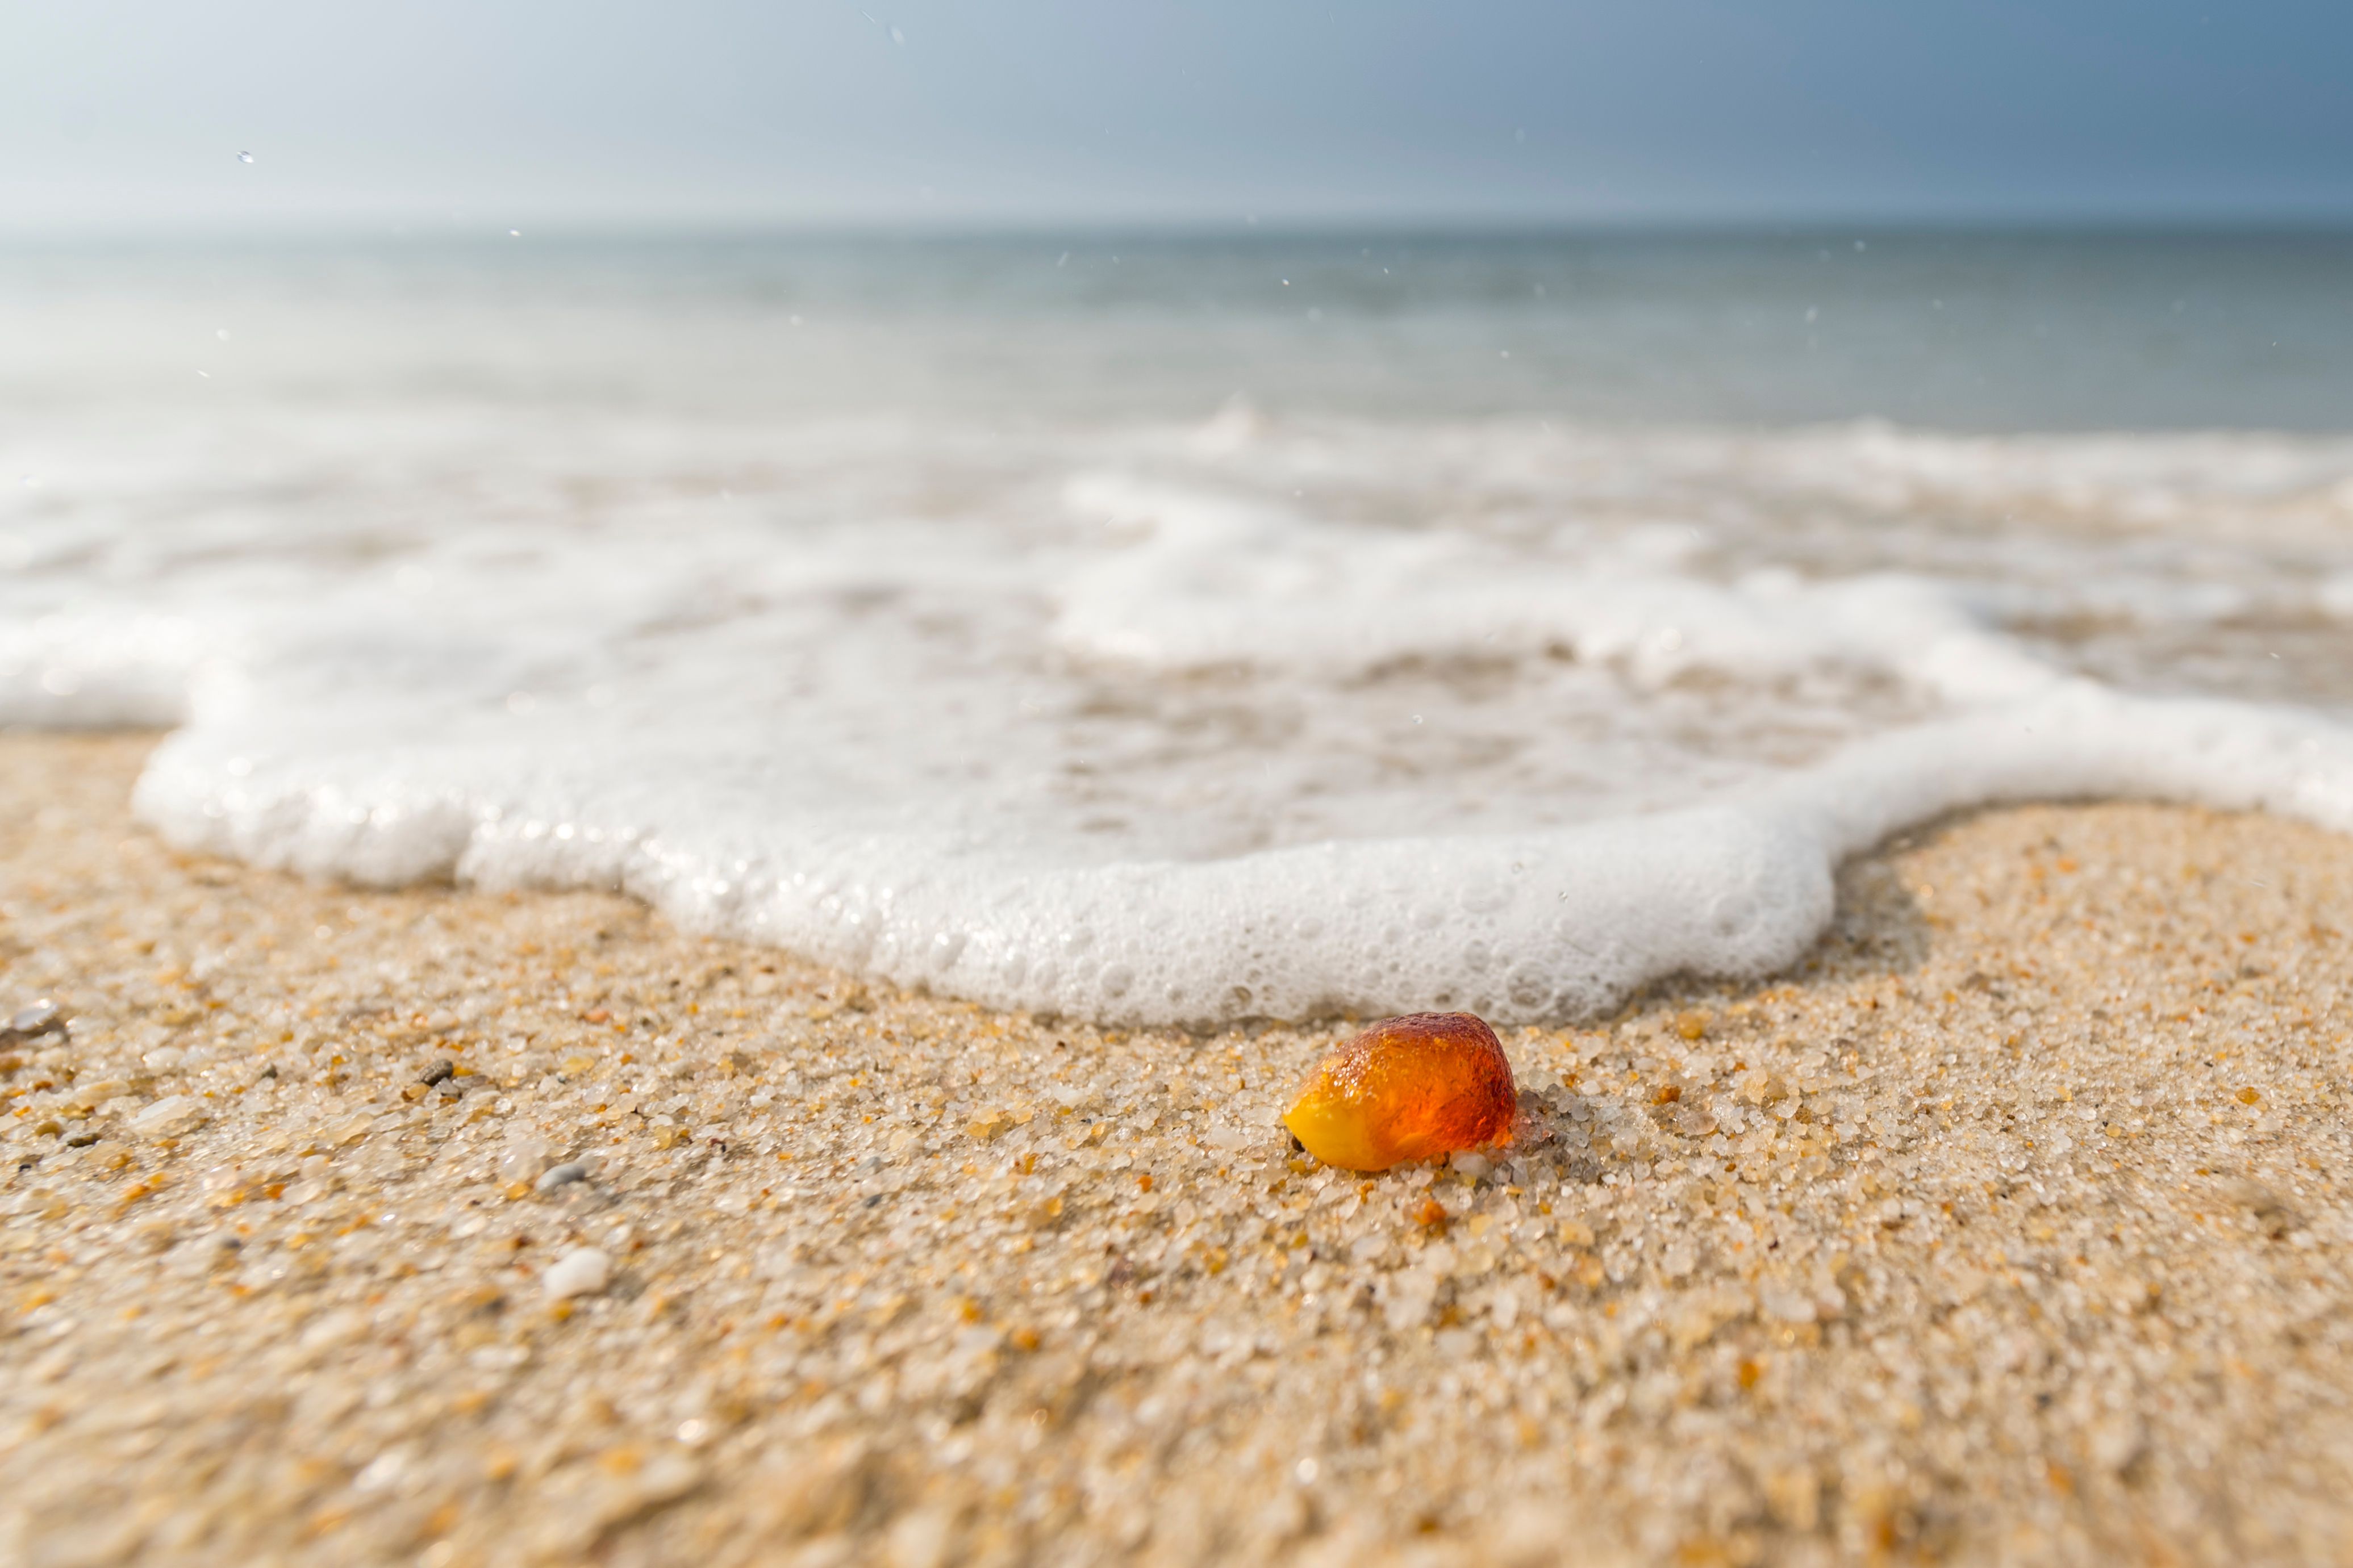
(524, 1159)
(38, 1018)
(1469, 1163)
(583, 1271)
(172, 1115)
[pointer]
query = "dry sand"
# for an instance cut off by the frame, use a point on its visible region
(2014, 1227)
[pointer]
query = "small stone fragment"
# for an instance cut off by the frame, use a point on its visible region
(583, 1271)
(436, 1072)
(1411, 1293)
(524, 1159)
(1407, 1088)
(562, 1175)
(32, 1021)
(172, 1115)
(1470, 1163)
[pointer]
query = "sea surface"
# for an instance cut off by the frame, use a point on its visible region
(1184, 627)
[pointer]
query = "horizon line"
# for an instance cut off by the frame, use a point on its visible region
(2152, 224)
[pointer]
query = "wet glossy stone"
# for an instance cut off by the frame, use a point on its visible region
(1406, 1088)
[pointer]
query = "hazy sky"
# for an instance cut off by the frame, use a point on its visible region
(128, 113)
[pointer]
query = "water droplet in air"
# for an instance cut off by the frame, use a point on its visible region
(515, 234)
(896, 36)
(245, 157)
(222, 333)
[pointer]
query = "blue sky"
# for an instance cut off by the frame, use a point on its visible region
(124, 114)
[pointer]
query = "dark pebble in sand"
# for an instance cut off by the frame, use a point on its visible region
(436, 1072)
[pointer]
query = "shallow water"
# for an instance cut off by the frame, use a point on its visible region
(1178, 628)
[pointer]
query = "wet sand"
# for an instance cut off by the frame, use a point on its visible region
(440, 1227)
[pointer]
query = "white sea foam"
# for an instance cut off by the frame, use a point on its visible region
(1214, 582)
(1146, 722)
(905, 604)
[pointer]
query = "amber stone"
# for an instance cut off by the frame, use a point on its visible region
(1407, 1088)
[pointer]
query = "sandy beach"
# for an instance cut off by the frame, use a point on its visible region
(439, 1227)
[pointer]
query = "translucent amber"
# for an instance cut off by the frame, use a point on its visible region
(1406, 1088)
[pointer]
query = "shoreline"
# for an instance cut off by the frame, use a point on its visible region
(2009, 1224)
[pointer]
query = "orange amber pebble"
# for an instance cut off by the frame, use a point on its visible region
(1406, 1088)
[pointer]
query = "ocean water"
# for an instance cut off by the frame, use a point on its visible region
(1181, 629)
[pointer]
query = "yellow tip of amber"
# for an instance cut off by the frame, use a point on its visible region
(1407, 1088)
